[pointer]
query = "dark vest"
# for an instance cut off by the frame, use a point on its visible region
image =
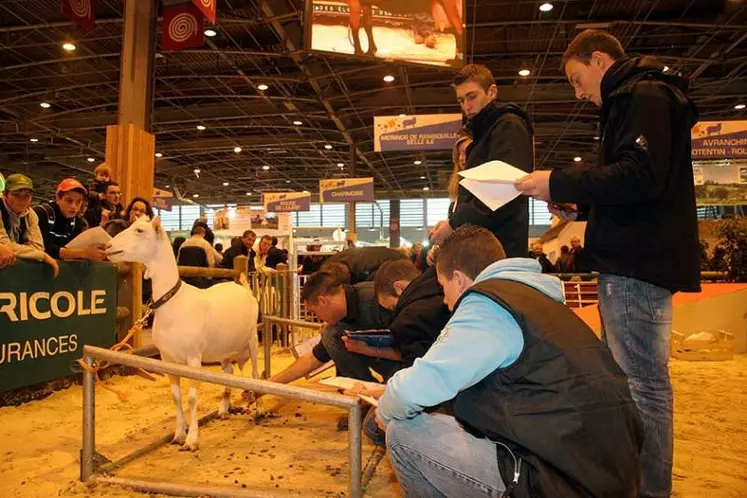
(564, 407)
(22, 237)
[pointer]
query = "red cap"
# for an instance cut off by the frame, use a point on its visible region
(69, 184)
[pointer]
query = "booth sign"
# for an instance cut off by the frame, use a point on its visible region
(44, 322)
(346, 189)
(418, 132)
(287, 202)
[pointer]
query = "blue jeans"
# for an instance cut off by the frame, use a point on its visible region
(433, 457)
(636, 326)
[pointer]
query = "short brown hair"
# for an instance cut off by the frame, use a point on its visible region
(340, 269)
(393, 271)
(475, 72)
(469, 249)
(102, 168)
(589, 41)
(248, 233)
(321, 283)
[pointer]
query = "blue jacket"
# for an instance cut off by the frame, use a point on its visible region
(480, 337)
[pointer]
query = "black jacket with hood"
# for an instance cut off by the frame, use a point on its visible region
(419, 316)
(640, 197)
(499, 132)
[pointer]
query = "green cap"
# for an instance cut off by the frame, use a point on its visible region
(18, 181)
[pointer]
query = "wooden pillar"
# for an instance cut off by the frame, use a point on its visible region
(394, 232)
(351, 205)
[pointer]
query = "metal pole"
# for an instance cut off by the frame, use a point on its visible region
(296, 323)
(89, 422)
(267, 341)
(354, 449)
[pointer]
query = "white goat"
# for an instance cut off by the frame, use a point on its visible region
(194, 325)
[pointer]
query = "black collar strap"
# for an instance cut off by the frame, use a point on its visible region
(166, 297)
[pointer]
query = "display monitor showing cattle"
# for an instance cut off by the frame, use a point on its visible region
(418, 31)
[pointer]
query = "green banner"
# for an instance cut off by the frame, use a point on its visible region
(44, 322)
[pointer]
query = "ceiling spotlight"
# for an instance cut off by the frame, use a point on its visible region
(265, 167)
(248, 193)
(262, 87)
(195, 195)
(418, 162)
(297, 123)
(403, 115)
(158, 154)
(167, 186)
(33, 140)
(426, 188)
(69, 47)
(596, 137)
(305, 191)
(340, 165)
(237, 149)
(739, 107)
(201, 127)
(210, 33)
(45, 105)
(422, 178)
(388, 78)
(666, 68)
(577, 159)
(91, 160)
(525, 72)
(225, 184)
(546, 7)
(328, 147)
(196, 171)
(287, 181)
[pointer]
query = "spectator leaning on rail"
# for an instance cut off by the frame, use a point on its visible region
(527, 399)
(20, 236)
(642, 230)
(59, 222)
(245, 248)
(362, 262)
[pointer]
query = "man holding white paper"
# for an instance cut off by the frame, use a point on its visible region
(500, 132)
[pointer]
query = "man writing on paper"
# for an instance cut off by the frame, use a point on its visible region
(499, 132)
(642, 231)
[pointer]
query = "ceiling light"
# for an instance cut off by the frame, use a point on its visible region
(577, 159)
(197, 171)
(265, 167)
(546, 7)
(248, 193)
(403, 115)
(418, 162)
(210, 33)
(195, 195)
(305, 191)
(70, 47)
(45, 105)
(328, 147)
(525, 72)
(426, 188)
(200, 127)
(262, 87)
(91, 160)
(167, 186)
(158, 154)
(739, 107)
(340, 165)
(297, 123)
(596, 137)
(237, 149)
(388, 78)
(225, 184)
(666, 68)
(33, 140)
(287, 181)
(422, 178)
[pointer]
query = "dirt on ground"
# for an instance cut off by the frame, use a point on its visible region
(297, 448)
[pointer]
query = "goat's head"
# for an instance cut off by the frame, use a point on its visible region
(139, 243)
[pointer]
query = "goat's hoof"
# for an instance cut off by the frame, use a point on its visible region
(179, 438)
(223, 413)
(189, 446)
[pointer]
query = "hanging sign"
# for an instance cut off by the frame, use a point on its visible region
(719, 183)
(182, 27)
(208, 8)
(286, 202)
(712, 140)
(81, 12)
(346, 189)
(418, 132)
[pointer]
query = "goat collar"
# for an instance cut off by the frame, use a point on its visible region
(166, 297)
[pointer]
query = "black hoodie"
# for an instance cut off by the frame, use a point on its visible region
(499, 132)
(419, 316)
(640, 197)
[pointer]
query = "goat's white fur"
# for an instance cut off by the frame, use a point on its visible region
(218, 324)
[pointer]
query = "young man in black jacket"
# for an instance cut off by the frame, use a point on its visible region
(642, 233)
(501, 132)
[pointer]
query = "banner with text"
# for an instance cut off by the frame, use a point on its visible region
(713, 140)
(718, 183)
(45, 321)
(287, 202)
(346, 189)
(419, 132)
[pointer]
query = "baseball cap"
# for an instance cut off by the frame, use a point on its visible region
(18, 181)
(69, 184)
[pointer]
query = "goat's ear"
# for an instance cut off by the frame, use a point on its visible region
(156, 224)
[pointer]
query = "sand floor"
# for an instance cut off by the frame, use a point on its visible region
(299, 450)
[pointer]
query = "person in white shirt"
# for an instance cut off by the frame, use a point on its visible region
(198, 240)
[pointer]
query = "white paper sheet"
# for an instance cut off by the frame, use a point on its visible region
(305, 347)
(348, 383)
(93, 237)
(492, 183)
